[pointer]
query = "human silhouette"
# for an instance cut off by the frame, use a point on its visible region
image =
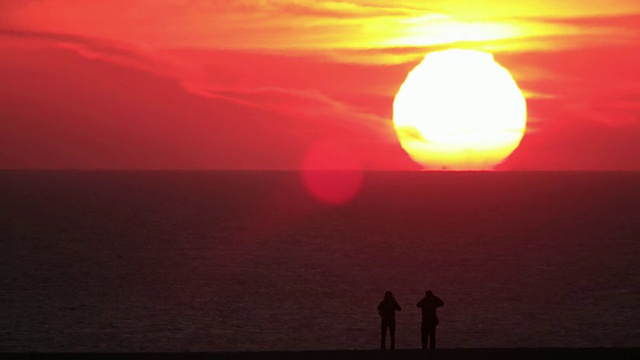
(429, 304)
(387, 311)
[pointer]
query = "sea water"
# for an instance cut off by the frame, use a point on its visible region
(213, 261)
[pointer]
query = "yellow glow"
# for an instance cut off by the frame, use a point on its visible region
(459, 110)
(441, 29)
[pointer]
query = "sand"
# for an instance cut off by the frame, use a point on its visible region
(403, 354)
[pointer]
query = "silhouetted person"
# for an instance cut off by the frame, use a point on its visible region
(387, 311)
(429, 304)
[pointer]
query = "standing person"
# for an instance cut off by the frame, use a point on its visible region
(429, 304)
(387, 311)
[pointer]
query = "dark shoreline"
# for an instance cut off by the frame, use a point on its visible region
(403, 354)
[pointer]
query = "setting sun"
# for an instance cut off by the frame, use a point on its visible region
(460, 110)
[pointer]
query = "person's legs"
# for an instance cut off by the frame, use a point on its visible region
(383, 334)
(424, 335)
(392, 333)
(432, 338)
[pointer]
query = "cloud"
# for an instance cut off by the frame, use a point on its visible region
(297, 104)
(308, 104)
(318, 26)
(112, 51)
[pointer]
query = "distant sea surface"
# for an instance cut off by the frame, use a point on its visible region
(219, 261)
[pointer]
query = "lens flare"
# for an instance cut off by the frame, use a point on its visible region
(332, 173)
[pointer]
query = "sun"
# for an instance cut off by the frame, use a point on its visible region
(459, 110)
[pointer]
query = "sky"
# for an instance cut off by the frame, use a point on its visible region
(224, 84)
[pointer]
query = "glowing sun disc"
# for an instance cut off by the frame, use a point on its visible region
(459, 110)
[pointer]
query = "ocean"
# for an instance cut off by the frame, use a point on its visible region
(242, 261)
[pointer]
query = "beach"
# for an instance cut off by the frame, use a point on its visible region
(402, 354)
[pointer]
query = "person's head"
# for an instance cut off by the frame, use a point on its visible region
(429, 293)
(388, 295)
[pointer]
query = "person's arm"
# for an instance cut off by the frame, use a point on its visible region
(420, 303)
(439, 302)
(397, 306)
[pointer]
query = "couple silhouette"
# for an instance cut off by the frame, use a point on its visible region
(387, 311)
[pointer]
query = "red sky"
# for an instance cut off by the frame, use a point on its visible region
(159, 84)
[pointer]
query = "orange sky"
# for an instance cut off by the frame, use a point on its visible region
(257, 84)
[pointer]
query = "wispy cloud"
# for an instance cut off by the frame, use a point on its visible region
(142, 35)
(113, 51)
(299, 103)
(313, 26)
(295, 103)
